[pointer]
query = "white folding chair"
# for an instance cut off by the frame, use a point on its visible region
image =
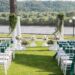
(5, 65)
(65, 65)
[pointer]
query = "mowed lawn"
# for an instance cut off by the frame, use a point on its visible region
(34, 61)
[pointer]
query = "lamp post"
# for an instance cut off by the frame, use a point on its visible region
(73, 24)
(72, 21)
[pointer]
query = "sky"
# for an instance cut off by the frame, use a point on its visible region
(47, 0)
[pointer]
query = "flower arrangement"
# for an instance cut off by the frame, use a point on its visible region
(18, 37)
(13, 21)
(50, 42)
(24, 42)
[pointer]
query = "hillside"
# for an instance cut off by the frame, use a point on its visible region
(39, 6)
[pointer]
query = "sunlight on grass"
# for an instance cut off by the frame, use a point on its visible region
(69, 37)
(37, 36)
(5, 36)
(26, 35)
(34, 61)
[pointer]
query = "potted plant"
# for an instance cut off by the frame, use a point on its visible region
(18, 38)
(50, 42)
(24, 42)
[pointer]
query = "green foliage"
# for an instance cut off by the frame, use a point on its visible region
(50, 42)
(60, 23)
(36, 18)
(60, 16)
(13, 21)
(24, 42)
(3, 15)
(53, 6)
(3, 21)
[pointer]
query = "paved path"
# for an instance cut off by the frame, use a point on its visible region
(37, 29)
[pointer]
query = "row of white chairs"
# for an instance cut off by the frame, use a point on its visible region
(64, 61)
(6, 58)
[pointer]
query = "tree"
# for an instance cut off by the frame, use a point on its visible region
(15, 25)
(13, 21)
(59, 28)
(12, 16)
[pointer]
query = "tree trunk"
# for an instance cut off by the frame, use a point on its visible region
(12, 6)
(13, 10)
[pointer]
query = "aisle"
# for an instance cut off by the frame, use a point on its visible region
(34, 61)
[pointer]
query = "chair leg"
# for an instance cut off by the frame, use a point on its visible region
(5, 68)
(65, 70)
(13, 54)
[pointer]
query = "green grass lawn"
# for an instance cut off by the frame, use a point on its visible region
(34, 61)
(69, 37)
(37, 36)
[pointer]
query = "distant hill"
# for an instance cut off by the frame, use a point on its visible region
(39, 6)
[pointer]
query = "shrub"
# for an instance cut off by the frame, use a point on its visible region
(3, 15)
(18, 38)
(50, 42)
(24, 42)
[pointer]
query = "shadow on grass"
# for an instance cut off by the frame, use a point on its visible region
(44, 63)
